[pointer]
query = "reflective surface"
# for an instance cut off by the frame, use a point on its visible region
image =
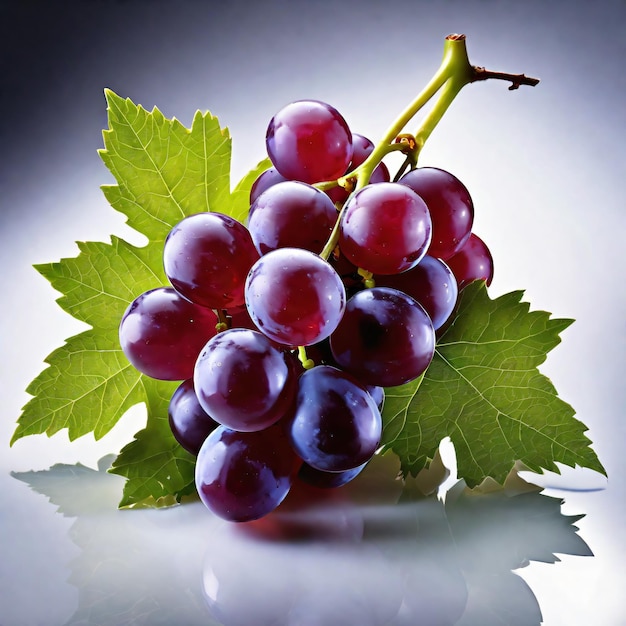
(372, 553)
(545, 168)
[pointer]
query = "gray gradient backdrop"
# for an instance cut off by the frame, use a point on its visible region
(545, 166)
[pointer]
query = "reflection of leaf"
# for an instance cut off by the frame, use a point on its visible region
(507, 531)
(419, 561)
(126, 572)
(530, 527)
(483, 389)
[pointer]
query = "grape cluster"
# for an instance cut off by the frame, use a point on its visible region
(283, 355)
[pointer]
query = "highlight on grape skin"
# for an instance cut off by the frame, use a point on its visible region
(310, 141)
(450, 205)
(385, 228)
(243, 381)
(161, 333)
(385, 338)
(207, 257)
(242, 476)
(335, 425)
(294, 296)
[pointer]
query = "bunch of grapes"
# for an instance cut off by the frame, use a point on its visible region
(283, 354)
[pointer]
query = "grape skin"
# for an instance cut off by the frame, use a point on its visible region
(385, 338)
(207, 257)
(385, 228)
(242, 476)
(264, 181)
(291, 214)
(472, 262)
(161, 333)
(243, 381)
(328, 480)
(189, 422)
(294, 297)
(310, 141)
(432, 283)
(336, 425)
(450, 205)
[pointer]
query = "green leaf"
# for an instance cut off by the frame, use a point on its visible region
(159, 471)
(483, 389)
(164, 172)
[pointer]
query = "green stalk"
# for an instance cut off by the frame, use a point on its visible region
(453, 74)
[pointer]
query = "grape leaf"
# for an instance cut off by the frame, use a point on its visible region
(164, 172)
(483, 389)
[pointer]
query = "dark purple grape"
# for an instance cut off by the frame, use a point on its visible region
(207, 257)
(294, 296)
(385, 228)
(162, 333)
(432, 283)
(244, 476)
(309, 141)
(336, 425)
(327, 480)
(472, 262)
(291, 214)
(189, 422)
(243, 381)
(264, 181)
(385, 338)
(450, 205)
(378, 395)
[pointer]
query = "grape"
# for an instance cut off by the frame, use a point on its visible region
(264, 181)
(385, 338)
(336, 425)
(431, 283)
(385, 228)
(472, 262)
(189, 422)
(207, 257)
(243, 381)
(362, 147)
(450, 205)
(378, 395)
(348, 271)
(327, 480)
(162, 333)
(294, 296)
(291, 214)
(309, 141)
(242, 476)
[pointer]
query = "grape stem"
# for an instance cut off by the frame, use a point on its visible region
(453, 74)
